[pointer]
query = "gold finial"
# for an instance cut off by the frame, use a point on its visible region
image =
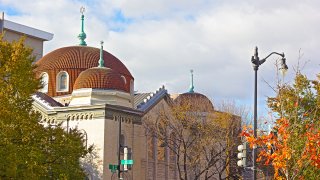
(82, 10)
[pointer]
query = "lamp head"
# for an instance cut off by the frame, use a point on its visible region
(284, 67)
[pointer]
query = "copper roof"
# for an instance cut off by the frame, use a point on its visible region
(79, 57)
(100, 78)
(196, 100)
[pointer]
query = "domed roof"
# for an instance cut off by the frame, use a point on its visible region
(100, 78)
(79, 57)
(197, 101)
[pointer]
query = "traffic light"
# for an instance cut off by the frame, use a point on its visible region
(127, 156)
(242, 155)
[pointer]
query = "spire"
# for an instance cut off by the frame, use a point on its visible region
(191, 83)
(101, 61)
(82, 36)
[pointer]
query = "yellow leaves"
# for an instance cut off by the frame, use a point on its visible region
(25, 139)
(279, 177)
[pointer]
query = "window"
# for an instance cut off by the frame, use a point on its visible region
(124, 79)
(150, 146)
(44, 81)
(161, 150)
(131, 87)
(62, 82)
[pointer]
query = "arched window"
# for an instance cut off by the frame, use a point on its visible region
(124, 79)
(45, 81)
(150, 146)
(131, 87)
(62, 82)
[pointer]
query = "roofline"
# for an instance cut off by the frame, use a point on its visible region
(12, 26)
(124, 109)
(147, 106)
(166, 97)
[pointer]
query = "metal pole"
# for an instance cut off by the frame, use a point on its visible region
(67, 126)
(254, 152)
(256, 63)
(119, 158)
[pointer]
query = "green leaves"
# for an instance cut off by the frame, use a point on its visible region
(28, 150)
(299, 104)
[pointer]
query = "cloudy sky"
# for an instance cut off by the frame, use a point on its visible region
(161, 40)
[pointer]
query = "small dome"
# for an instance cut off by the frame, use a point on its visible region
(198, 102)
(100, 78)
(79, 57)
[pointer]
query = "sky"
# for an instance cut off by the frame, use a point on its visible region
(161, 40)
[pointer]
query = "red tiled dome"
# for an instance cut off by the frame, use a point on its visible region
(74, 60)
(198, 102)
(100, 78)
(79, 57)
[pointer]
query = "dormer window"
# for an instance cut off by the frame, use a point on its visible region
(44, 81)
(62, 82)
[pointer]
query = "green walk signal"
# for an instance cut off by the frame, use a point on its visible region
(125, 162)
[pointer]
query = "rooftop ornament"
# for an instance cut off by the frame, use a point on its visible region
(191, 83)
(101, 61)
(82, 36)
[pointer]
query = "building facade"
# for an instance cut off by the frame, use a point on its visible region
(34, 38)
(90, 89)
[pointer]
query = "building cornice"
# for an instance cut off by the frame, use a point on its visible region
(12, 26)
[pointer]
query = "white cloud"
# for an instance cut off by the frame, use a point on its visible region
(168, 38)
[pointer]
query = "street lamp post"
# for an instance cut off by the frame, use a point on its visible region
(256, 62)
(84, 132)
(119, 153)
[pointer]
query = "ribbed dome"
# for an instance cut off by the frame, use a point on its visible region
(79, 57)
(100, 78)
(198, 102)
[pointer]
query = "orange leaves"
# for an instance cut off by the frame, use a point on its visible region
(273, 148)
(296, 145)
(244, 134)
(312, 150)
(279, 149)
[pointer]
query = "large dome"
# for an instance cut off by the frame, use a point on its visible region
(73, 60)
(100, 78)
(197, 101)
(79, 57)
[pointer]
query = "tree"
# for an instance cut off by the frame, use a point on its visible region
(29, 150)
(91, 165)
(293, 146)
(233, 114)
(196, 135)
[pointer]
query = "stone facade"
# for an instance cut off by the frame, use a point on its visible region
(34, 38)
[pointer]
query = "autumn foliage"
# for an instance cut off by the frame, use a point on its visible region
(201, 139)
(28, 149)
(293, 145)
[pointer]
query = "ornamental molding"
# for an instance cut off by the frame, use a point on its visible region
(85, 92)
(80, 114)
(123, 118)
(152, 99)
(41, 102)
